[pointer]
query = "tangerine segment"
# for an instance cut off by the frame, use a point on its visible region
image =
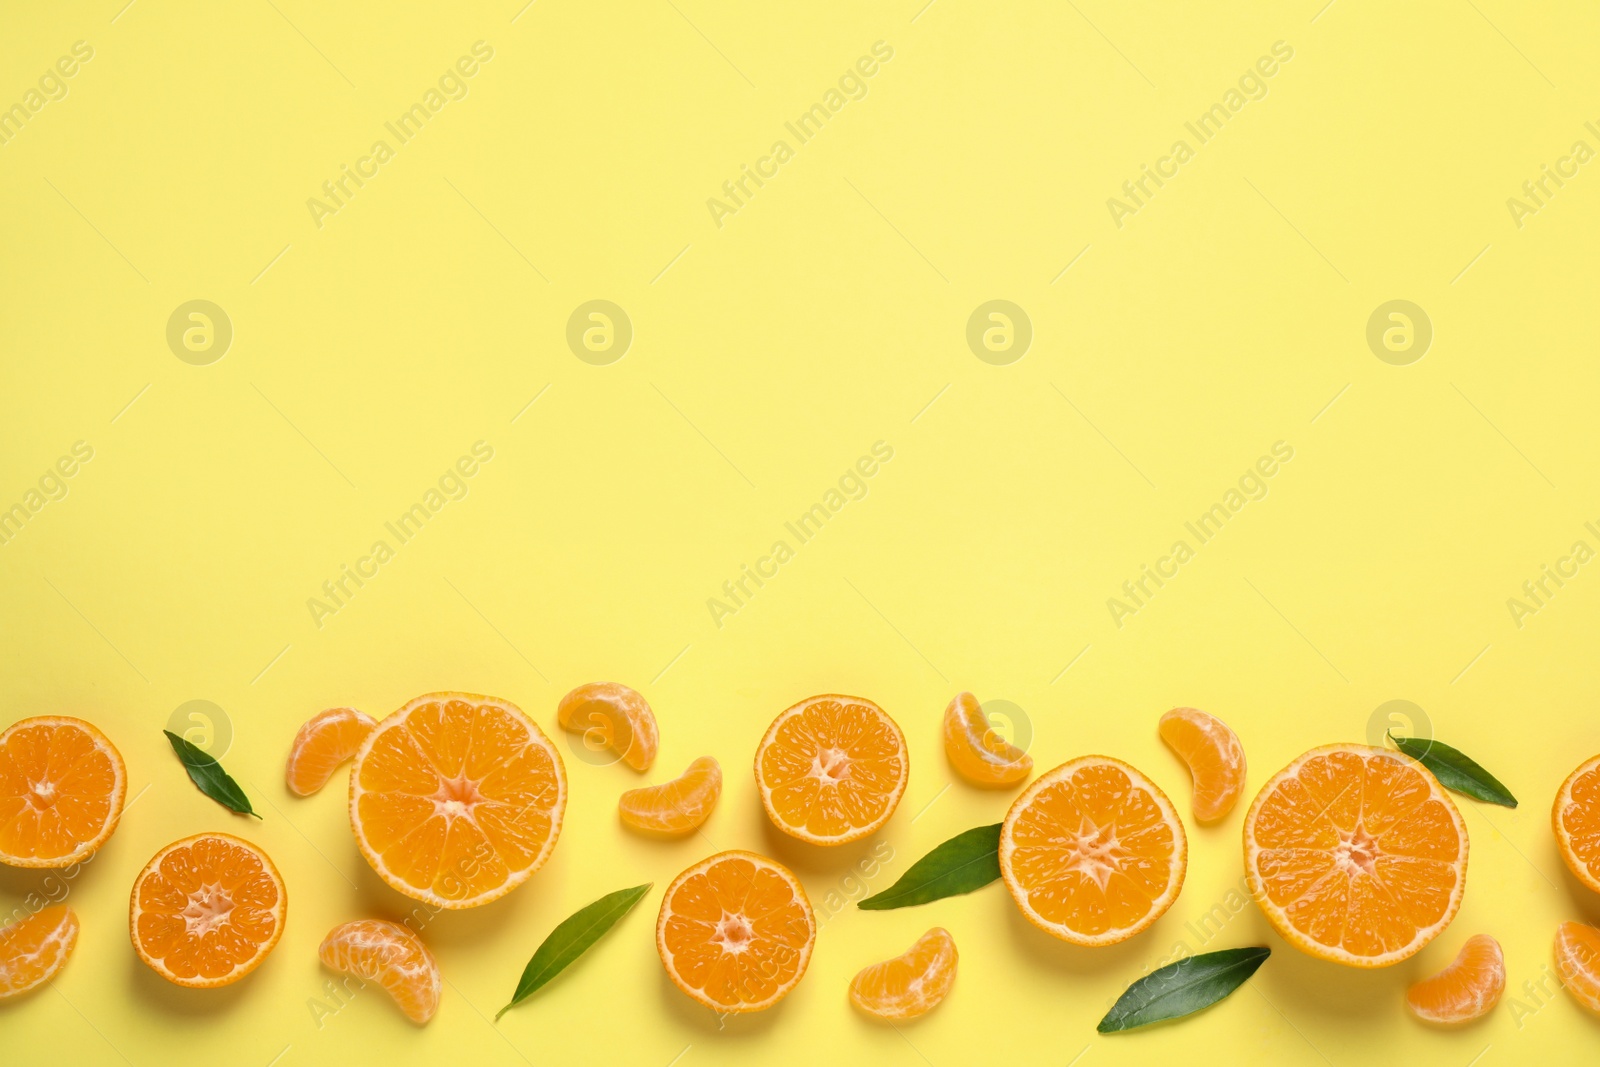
(1093, 851)
(1215, 759)
(62, 786)
(1576, 821)
(206, 910)
(1467, 989)
(978, 754)
(325, 741)
(33, 950)
(736, 932)
(1578, 963)
(456, 799)
(911, 984)
(678, 806)
(392, 956)
(610, 715)
(1356, 855)
(832, 769)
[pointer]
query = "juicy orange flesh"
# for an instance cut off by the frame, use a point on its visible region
(1093, 851)
(910, 984)
(323, 743)
(1581, 819)
(676, 806)
(1467, 989)
(611, 715)
(56, 787)
(456, 797)
(1214, 758)
(1578, 962)
(390, 955)
(33, 949)
(832, 767)
(976, 750)
(1357, 852)
(736, 932)
(207, 908)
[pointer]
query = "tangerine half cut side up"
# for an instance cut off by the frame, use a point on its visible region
(1576, 822)
(62, 787)
(832, 769)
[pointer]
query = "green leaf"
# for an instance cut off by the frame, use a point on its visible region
(1455, 770)
(209, 777)
(572, 938)
(1182, 988)
(968, 861)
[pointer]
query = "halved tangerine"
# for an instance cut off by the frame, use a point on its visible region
(392, 956)
(1467, 989)
(736, 932)
(34, 949)
(1576, 821)
(1093, 851)
(674, 807)
(911, 984)
(610, 715)
(1214, 757)
(832, 769)
(206, 910)
(1577, 953)
(326, 740)
(976, 751)
(1356, 855)
(62, 786)
(456, 799)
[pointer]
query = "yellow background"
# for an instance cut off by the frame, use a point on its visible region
(768, 355)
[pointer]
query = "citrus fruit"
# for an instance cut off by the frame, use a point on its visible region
(736, 932)
(610, 715)
(831, 769)
(325, 741)
(911, 984)
(1467, 989)
(34, 949)
(456, 799)
(1356, 855)
(392, 956)
(62, 786)
(1093, 851)
(1578, 963)
(674, 807)
(206, 910)
(1576, 820)
(1214, 756)
(978, 754)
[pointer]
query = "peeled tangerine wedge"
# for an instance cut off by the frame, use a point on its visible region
(62, 786)
(33, 950)
(978, 754)
(392, 956)
(206, 910)
(610, 715)
(1214, 756)
(909, 985)
(324, 742)
(675, 807)
(1093, 851)
(1356, 855)
(1578, 963)
(1576, 820)
(1467, 989)
(831, 769)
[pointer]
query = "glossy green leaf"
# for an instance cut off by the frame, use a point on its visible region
(572, 938)
(1182, 988)
(968, 861)
(1456, 770)
(209, 777)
